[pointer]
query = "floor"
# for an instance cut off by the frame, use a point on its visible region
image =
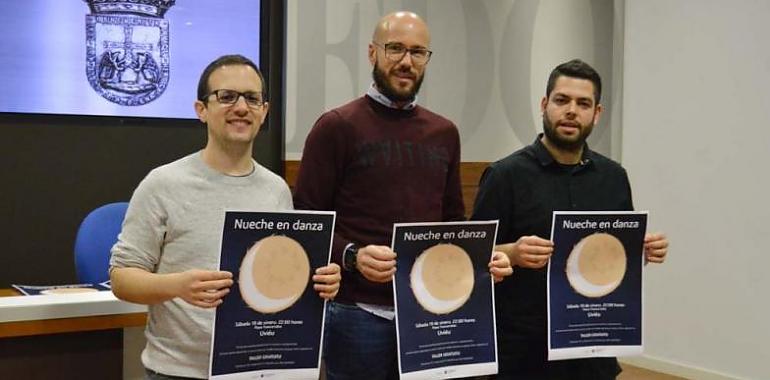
(629, 373)
(635, 373)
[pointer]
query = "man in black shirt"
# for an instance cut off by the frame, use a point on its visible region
(556, 172)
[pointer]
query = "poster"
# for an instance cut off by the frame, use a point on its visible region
(33, 290)
(270, 325)
(444, 299)
(595, 284)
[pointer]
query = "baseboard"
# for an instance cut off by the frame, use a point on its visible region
(676, 369)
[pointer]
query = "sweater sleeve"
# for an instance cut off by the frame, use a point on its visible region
(629, 202)
(144, 228)
(321, 170)
(493, 201)
(285, 201)
(454, 208)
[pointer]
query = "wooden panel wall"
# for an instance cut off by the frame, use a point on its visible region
(470, 173)
(76, 355)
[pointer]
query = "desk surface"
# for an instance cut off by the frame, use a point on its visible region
(53, 314)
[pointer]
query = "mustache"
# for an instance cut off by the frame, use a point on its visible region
(406, 70)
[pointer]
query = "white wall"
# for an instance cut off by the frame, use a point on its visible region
(488, 72)
(696, 142)
(695, 126)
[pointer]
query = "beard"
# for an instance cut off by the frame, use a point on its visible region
(566, 143)
(392, 93)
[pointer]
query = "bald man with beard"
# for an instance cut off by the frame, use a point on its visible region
(378, 160)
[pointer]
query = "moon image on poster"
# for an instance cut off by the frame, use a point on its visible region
(274, 273)
(596, 265)
(442, 278)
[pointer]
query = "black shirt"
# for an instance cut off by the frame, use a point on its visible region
(522, 191)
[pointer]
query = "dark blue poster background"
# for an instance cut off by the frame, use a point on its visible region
(614, 319)
(463, 336)
(246, 340)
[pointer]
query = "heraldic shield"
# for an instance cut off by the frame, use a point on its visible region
(127, 49)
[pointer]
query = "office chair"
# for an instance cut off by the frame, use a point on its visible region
(97, 234)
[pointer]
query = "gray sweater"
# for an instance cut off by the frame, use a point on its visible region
(174, 223)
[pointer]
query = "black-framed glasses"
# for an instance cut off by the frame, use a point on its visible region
(230, 97)
(395, 52)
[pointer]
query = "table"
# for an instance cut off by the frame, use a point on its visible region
(68, 336)
(52, 314)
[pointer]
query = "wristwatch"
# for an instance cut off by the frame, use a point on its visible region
(349, 258)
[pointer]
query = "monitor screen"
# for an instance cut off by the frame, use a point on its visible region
(126, 58)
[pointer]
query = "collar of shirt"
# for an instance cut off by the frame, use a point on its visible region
(375, 94)
(544, 156)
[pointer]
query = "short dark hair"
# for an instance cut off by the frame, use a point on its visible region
(232, 59)
(576, 69)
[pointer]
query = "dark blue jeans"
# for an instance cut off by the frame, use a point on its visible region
(152, 375)
(359, 345)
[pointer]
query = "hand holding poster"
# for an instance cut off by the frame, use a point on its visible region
(444, 298)
(595, 284)
(271, 322)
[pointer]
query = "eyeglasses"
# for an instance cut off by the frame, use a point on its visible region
(395, 52)
(230, 97)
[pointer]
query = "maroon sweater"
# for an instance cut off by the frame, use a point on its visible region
(376, 166)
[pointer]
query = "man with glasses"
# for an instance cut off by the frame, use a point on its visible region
(377, 160)
(168, 251)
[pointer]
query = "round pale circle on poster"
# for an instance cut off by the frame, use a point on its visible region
(596, 265)
(442, 278)
(68, 290)
(274, 273)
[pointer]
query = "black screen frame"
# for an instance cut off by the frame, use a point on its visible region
(57, 168)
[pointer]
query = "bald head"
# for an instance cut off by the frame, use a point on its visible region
(396, 74)
(399, 24)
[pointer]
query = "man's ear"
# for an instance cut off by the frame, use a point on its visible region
(598, 113)
(543, 103)
(372, 54)
(201, 111)
(264, 114)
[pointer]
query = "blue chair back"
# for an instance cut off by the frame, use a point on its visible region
(97, 234)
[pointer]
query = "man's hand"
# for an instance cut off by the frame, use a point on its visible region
(327, 281)
(655, 248)
(500, 266)
(528, 252)
(377, 263)
(202, 288)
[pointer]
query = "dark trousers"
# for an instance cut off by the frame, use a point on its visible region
(359, 345)
(152, 375)
(525, 357)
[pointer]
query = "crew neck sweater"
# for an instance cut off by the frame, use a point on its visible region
(376, 166)
(174, 223)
